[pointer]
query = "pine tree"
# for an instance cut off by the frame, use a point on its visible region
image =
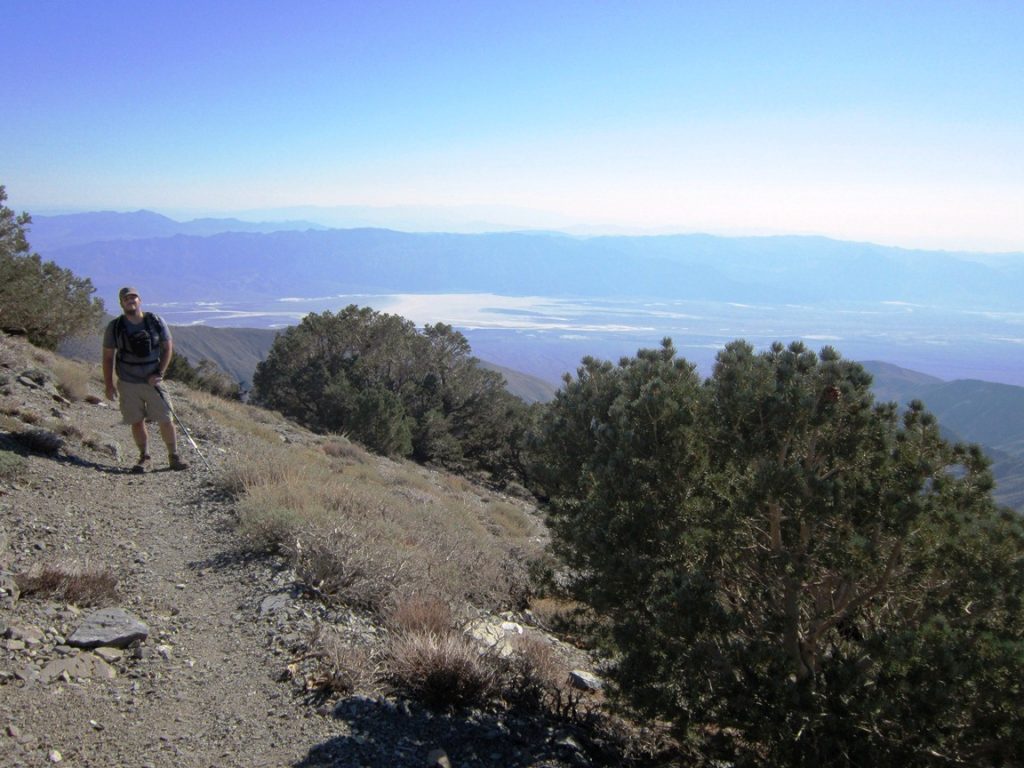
(38, 298)
(779, 561)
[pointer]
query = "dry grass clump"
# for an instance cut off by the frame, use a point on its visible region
(359, 531)
(340, 447)
(239, 417)
(72, 378)
(418, 613)
(14, 417)
(12, 465)
(341, 665)
(362, 530)
(266, 464)
(537, 676)
(40, 441)
(348, 566)
(69, 430)
(8, 356)
(509, 520)
(441, 670)
(85, 585)
(9, 407)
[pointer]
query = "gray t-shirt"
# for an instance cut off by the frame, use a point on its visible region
(137, 351)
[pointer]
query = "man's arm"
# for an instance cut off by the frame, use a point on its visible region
(108, 372)
(166, 353)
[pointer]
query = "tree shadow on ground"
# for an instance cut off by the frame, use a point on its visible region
(387, 734)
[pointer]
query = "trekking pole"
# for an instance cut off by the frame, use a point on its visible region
(183, 428)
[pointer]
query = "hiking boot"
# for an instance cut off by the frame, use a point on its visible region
(176, 463)
(142, 465)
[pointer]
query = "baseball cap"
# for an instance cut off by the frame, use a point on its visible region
(127, 291)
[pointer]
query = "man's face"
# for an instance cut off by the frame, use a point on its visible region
(130, 303)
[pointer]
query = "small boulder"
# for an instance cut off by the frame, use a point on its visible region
(112, 627)
(585, 681)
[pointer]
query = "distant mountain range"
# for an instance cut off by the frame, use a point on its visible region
(50, 233)
(199, 260)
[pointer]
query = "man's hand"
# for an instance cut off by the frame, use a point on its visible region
(111, 392)
(155, 379)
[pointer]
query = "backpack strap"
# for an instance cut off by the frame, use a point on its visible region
(153, 325)
(120, 340)
(150, 322)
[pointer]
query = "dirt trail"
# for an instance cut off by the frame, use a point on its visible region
(202, 694)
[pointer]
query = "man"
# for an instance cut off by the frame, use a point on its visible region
(139, 345)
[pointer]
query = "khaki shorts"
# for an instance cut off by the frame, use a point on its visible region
(141, 401)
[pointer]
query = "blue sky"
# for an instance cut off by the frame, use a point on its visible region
(895, 122)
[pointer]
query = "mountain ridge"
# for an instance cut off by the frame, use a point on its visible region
(285, 258)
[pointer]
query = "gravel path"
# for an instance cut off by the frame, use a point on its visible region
(202, 692)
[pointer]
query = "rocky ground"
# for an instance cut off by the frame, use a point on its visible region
(208, 685)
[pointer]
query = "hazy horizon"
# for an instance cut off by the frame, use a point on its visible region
(897, 124)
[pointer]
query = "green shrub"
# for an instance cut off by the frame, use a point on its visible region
(45, 301)
(788, 566)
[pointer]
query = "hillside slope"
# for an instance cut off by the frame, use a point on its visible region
(229, 674)
(260, 266)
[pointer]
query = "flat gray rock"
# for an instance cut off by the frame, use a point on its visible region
(110, 627)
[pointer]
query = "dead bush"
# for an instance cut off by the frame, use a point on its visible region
(348, 566)
(342, 448)
(537, 675)
(40, 441)
(86, 585)
(341, 666)
(72, 378)
(419, 613)
(30, 417)
(69, 430)
(442, 671)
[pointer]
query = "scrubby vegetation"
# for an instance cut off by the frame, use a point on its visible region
(77, 584)
(39, 298)
(368, 534)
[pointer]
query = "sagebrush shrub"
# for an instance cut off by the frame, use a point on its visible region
(419, 613)
(441, 670)
(86, 585)
(342, 665)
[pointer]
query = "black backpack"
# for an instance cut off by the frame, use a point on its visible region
(139, 346)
